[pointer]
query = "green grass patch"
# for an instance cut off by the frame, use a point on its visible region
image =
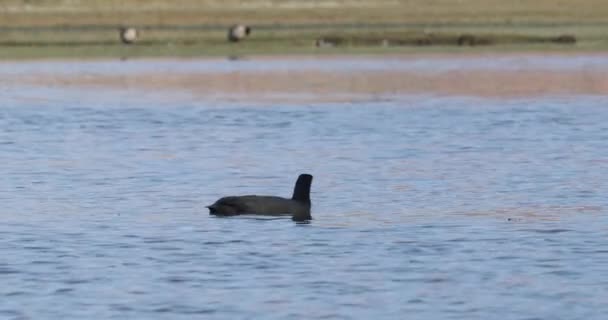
(188, 28)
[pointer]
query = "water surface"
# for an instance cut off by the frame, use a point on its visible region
(425, 207)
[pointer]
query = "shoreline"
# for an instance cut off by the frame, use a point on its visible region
(329, 54)
(328, 78)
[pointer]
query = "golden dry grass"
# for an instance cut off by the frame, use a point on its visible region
(184, 12)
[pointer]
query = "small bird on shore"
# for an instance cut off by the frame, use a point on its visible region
(298, 206)
(128, 35)
(238, 32)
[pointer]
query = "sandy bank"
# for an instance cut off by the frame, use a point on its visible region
(322, 78)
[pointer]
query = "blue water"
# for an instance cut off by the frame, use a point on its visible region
(424, 208)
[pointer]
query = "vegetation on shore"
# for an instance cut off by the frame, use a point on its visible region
(89, 28)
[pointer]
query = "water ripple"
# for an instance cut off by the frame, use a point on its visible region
(437, 208)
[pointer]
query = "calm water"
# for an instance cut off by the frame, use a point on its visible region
(425, 208)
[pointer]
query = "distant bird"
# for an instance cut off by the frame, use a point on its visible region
(467, 40)
(238, 32)
(565, 38)
(298, 206)
(327, 42)
(322, 43)
(128, 35)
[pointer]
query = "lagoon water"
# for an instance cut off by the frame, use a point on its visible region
(425, 207)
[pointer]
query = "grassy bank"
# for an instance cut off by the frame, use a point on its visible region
(89, 28)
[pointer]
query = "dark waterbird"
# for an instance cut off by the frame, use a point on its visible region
(298, 206)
